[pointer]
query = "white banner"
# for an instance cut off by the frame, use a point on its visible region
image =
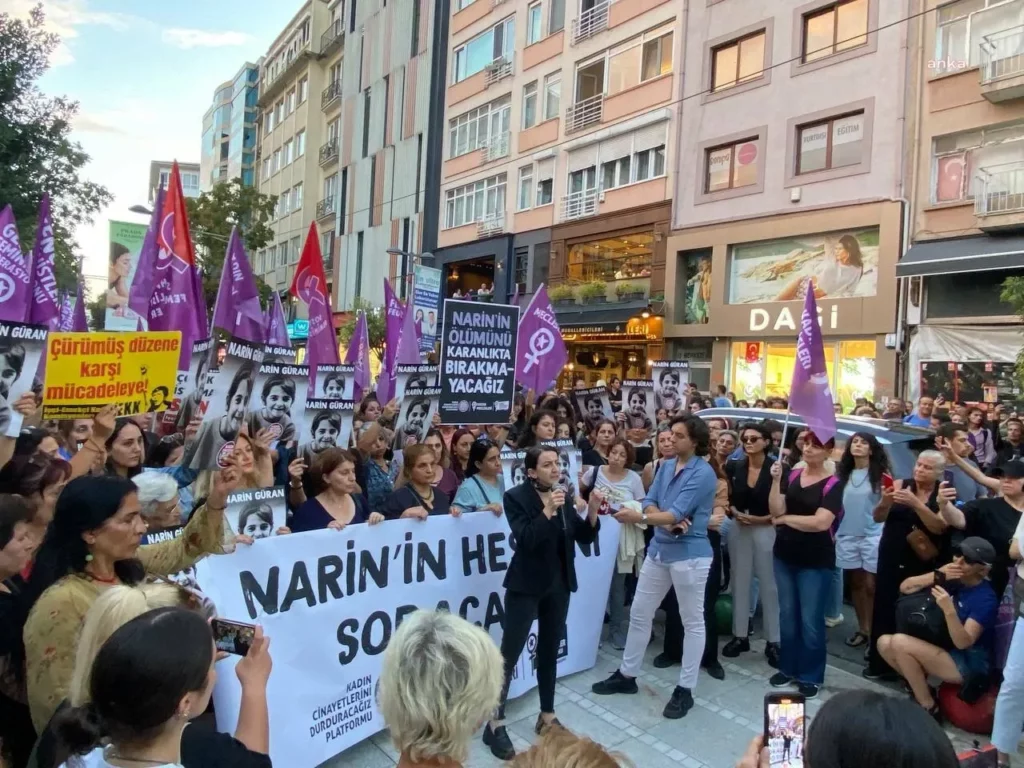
(330, 600)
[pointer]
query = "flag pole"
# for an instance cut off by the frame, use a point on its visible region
(785, 429)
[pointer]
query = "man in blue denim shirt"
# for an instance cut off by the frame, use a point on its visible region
(679, 506)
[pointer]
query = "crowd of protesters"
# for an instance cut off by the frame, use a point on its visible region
(705, 503)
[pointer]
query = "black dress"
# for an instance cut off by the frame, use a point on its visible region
(898, 561)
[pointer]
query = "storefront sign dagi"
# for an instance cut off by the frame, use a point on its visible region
(478, 353)
(762, 319)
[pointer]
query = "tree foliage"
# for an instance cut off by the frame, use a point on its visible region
(212, 215)
(96, 312)
(36, 152)
(376, 326)
(1013, 294)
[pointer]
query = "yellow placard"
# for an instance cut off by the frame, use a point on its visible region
(85, 371)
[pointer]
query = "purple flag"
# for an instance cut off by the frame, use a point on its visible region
(45, 309)
(202, 318)
(393, 317)
(15, 279)
(238, 311)
(541, 352)
(67, 310)
(79, 324)
(810, 395)
(358, 354)
(277, 328)
(407, 351)
(144, 279)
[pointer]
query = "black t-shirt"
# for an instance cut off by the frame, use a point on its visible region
(405, 498)
(591, 458)
(801, 549)
(203, 747)
(995, 521)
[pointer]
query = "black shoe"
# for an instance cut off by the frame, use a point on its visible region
(499, 742)
(680, 703)
(617, 683)
(808, 690)
(735, 647)
(541, 726)
(664, 661)
(885, 677)
(780, 680)
(771, 654)
(715, 670)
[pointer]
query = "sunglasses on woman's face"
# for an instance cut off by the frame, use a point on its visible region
(751, 439)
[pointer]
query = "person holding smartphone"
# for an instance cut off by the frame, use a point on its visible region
(679, 505)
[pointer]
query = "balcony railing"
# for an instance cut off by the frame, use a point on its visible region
(498, 69)
(497, 147)
(328, 265)
(492, 225)
(590, 22)
(325, 207)
(1002, 54)
(576, 205)
(272, 78)
(584, 113)
(330, 95)
(329, 152)
(331, 37)
(1000, 189)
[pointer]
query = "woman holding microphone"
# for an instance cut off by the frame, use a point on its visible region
(540, 579)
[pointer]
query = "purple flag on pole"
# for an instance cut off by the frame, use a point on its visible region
(277, 328)
(45, 309)
(15, 278)
(358, 354)
(541, 352)
(67, 309)
(408, 348)
(144, 278)
(79, 324)
(393, 317)
(238, 311)
(202, 318)
(810, 395)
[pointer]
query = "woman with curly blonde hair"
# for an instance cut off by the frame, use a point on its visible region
(565, 749)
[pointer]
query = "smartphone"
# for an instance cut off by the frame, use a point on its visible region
(232, 636)
(784, 724)
(887, 481)
(947, 478)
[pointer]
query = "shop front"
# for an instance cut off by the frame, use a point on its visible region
(604, 348)
(739, 288)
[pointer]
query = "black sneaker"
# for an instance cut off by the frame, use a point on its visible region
(780, 680)
(680, 703)
(735, 647)
(771, 654)
(886, 677)
(808, 690)
(664, 661)
(617, 683)
(499, 742)
(715, 670)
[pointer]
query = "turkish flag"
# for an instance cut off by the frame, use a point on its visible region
(753, 351)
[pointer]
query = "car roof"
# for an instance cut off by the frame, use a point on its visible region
(893, 431)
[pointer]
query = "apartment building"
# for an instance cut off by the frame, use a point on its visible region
(789, 170)
(298, 148)
(560, 120)
(230, 131)
(965, 114)
(160, 173)
(381, 183)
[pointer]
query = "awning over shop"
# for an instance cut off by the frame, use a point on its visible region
(963, 254)
(614, 319)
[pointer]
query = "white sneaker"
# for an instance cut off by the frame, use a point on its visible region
(834, 621)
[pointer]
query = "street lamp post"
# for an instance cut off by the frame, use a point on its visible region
(407, 256)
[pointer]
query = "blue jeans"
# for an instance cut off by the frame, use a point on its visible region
(804, 595)
(835, 602)
(1010, 703)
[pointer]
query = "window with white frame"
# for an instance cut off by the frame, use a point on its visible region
(534, 22)
(460, 4)
(297, 196)
(279, 112)
(641, 59)
(303, 89)
(268, 122)
(286, 153)
(529, 105)
(290, 102)
(295, 247)
(616, 173)
(275, 161)
(282, 255)
(959, 159)
(960, 28)
(545, 181)
(300, 144)
(525, 196)
(266, 167)
(271, 257)
(498, 42)
(473, 130)
(649, 164)
(552, 94)
(475, 202)
(284, 203)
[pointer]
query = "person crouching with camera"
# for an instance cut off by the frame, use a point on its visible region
(968, 603)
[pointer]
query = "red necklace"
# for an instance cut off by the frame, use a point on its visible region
(101, 580)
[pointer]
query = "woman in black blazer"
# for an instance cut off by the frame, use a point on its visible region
(540, 579)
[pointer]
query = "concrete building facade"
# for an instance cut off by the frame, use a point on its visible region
(230, 131)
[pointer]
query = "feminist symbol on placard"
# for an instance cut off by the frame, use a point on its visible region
(541, 342)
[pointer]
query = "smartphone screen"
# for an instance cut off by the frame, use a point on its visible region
(887, 481)
(784, 729)
(232, 636)
(947, 477)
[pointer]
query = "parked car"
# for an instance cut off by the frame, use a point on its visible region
(902, 442)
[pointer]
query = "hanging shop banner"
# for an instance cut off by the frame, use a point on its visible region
(21, 348)
(426, 298)
(330, 601)
(671, 379)
(85, 371)
(478, 362)
(125, 243)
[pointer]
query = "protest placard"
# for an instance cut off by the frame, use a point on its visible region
(331, 601)
(85, 371)
(670, 378)
(256, 513)
(415, 416)
(594, 403)
(326, 424)
(513, 465)
(335, 382)
(638, 408)
(279, 401)
(414, 378)
(21, 347)
(273, 353)
(188, 391)
(478, 362)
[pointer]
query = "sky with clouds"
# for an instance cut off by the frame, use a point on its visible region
(144, 73)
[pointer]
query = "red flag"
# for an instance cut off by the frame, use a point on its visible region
(174, 237)
(310, 285)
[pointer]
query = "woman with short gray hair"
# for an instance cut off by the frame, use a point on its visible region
(441, 679)
(158, 495)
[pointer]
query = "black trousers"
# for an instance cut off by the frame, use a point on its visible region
(550, 610)
(673, 647)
